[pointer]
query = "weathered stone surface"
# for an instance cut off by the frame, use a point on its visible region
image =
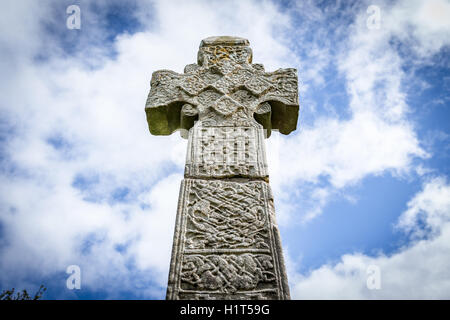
(226, 242)
(221, 152)
(223, 81)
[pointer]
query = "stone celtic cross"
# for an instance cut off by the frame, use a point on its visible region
(226, 243)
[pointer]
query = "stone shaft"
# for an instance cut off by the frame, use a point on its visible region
(226, 243)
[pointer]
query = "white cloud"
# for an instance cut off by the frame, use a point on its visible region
(378, 135)
(346, 151)
(417, 271)
(431, 207)
(377, 138)
(424, 23)
(96, 120)
(99, 113)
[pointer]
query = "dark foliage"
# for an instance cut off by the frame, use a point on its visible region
(22, 295)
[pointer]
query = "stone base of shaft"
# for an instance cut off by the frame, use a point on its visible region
(226, 243)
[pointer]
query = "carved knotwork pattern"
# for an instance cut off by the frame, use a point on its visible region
(228, 296)
(192, 84)
(227, 273)
(226, 216)
(224, 81)
(226, 105)
(213, 55)
(226, 249)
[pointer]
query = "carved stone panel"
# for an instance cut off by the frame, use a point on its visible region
(226, 216)
(226, 243)
(226, 152)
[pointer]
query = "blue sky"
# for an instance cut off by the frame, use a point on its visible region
(363, 181)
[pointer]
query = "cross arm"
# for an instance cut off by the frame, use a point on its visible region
(279, 106)
(168, 108)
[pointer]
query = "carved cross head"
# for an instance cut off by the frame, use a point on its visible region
(223, 89)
